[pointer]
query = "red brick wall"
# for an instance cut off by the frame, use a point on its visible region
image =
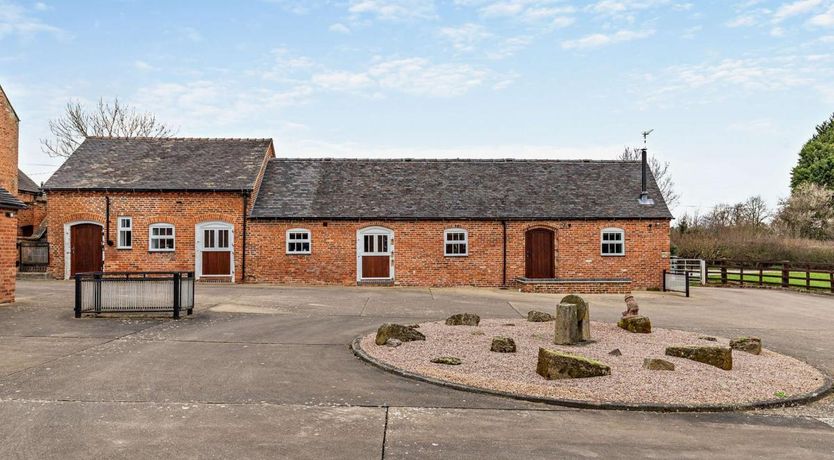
(34, 214)
(8, 146)
(8, 257)
(183, 210)
(419, 259)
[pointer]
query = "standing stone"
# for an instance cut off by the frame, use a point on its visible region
(751, 345)
(534, 316)
(397, 331)
(554, 365)
(583, 314)
(720, 357)
(657, 364)
(463, 319)
(503, 345)
(566, 331)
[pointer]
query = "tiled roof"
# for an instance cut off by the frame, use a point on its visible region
(104, 163)
(8, 201)
(454, 189)
(26, 184)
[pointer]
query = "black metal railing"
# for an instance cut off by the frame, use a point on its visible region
(676, 282)
(32, 256)
(114, 292)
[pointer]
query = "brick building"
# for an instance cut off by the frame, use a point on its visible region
(550, 226)
(30, 220)
(9, 204)
(154, 205)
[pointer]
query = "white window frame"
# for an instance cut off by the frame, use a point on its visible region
(308, 240)
(120, 243)
(464, 241)
(602, 242)
(152, 238)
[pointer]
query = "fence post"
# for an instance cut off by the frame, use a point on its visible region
(78, 296)
(664, 280)
(831, 283)
(723, 273)
(177, 280)
(97, 278)
(741, 274)
(686, 274)
(808, 278)
(786, 274)
(703, 272)
(193, 299)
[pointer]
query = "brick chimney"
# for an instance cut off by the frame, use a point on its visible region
(8, 144)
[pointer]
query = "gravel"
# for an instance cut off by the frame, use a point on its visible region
(753, 378)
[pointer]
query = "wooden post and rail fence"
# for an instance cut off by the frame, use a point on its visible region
(785, 274)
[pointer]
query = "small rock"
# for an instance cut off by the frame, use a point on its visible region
(508, 324)
(535, 316)
(397, 331)
(636, 324)
(709, 338)
(414, 326)
(720, 357)
(554, 364)
(615, 352)
(393, 343)
(657, 364)
(751, 345)
(447, 360)
(463, 319)
(478, 333)
(502, 345)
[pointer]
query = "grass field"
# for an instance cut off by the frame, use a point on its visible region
(774, 277)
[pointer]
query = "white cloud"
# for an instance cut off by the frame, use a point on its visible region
(415, 76)
(743, 21)
(143, 66)
(394, 10)
(599, 39)
(15, 20)
(825, 19)
(191, 34)
(465, 37)
(339, 28)
(795, 8)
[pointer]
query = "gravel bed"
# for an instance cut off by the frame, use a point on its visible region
(753, 377)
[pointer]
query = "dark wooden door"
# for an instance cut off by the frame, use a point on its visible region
(217, 263)
(85, 248)
(539, 253)
(376, 267)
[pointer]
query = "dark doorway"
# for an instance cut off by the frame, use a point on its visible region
(85, 249)
(539, 253)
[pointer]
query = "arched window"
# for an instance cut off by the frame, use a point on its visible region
(161, 238)
(455, 242)
(612, 242)
(299, 241)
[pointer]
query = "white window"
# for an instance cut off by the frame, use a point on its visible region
(298, 241)
(161, 238)
(125, 233)
(612, 242)
(456, 242)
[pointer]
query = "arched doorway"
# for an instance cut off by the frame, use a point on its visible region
(83, 248)
(374, 254)
(215, 251)
(539, 253)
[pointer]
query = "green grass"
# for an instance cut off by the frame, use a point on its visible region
(774, 277)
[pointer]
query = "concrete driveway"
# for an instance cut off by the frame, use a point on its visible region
(265, 371)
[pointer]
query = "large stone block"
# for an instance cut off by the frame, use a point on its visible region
(554, 365)
(720, 357)
(583, 314)
(397, 331)
(535, 316)
(636, 324)
(751, 345)
(502, 345)
(566, 325)
(463, 319)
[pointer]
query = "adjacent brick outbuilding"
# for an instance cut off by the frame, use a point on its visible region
(9, 204)
(29, 220)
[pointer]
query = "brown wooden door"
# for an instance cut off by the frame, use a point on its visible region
(376, 267)
(217, 263)
(85, 248)
(539, 253)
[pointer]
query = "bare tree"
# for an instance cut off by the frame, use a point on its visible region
(807, 213)
(107, 119)
(660, 171)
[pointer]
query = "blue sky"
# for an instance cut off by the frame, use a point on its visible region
(732, 89)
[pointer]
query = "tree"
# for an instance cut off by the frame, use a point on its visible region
(816, 159)
(807, 213)
(107, 119)
(660, 171)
